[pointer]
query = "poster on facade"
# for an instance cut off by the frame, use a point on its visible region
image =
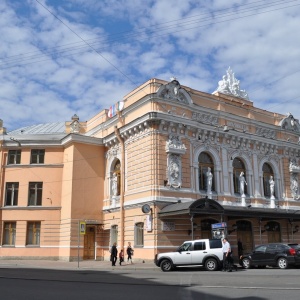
(168, 226)
(82, 227)
(149, 223)
(219, 230)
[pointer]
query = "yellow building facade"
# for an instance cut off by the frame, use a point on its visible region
(160, 170)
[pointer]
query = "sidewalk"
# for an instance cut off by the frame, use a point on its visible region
(74, 265)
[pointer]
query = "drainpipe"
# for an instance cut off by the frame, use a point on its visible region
(122, 185)
(2, 162)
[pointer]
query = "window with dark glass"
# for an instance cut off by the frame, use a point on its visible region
(205, 161)
(267, 173)
(9, 233)
(14, 157)
(139, 234)
(199, 246)
(238, 167)
(35, 193)
(11, 193)
(37, 156)
(33, 233)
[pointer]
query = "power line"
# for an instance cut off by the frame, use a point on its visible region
(158, 26)
(85, 42)
(152, 32)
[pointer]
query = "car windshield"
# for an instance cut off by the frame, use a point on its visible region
(185, 247)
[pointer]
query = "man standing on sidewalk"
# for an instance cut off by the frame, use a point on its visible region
(114, 254)
(226, 256)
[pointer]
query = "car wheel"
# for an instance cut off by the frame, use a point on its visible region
(282, 263)
(166, 265)
(246, 263)
(211, 264)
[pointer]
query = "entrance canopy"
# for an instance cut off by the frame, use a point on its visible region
(207, 206)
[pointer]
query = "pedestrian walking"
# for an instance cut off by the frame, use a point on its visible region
(227, 265)
(129, 252)
(121, 257)
(113, 254)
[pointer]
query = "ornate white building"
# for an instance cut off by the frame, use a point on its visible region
(141, 175)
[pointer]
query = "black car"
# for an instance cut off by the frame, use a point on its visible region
(276, 254)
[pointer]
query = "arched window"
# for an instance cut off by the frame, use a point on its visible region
(238, 167)
(116, 179)
(205, 161)
(139, 234)
(113, 234)
(267, 173)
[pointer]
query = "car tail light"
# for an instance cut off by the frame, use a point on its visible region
(292, 251)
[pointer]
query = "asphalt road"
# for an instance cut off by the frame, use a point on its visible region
(144, 284)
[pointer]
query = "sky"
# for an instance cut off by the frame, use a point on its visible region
(64, 57)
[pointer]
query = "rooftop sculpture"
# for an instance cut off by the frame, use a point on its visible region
(229, 85)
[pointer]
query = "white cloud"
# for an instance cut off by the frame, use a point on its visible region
(48, 73)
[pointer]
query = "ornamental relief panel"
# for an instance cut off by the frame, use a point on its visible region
(114, 151)
(205, 118)
(271, 134)
(174, 171)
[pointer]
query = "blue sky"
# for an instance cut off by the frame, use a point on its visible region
(58, 58)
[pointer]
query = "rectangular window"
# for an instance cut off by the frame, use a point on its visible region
(139, 235)
(33, 233)
(9, 234)
(35, 193)
(199, 246)
(113, 234)
(11, 193)
(14, 157)
(37, 156)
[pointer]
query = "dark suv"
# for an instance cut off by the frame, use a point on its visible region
(276, 254)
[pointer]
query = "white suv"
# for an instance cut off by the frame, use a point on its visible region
(205, 252)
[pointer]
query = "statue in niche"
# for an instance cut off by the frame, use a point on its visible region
(174, 170)
(114, 184)
(209, 180)
(272, 186)
(295, 186)
(242, 183)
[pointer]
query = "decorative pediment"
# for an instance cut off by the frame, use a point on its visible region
(229, 85)
(290, 123)
(173, 91)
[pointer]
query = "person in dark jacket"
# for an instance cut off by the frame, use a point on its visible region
(240, 248)
(129, 252)
(113, 254)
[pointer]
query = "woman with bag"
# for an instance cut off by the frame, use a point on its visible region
(129, 252)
